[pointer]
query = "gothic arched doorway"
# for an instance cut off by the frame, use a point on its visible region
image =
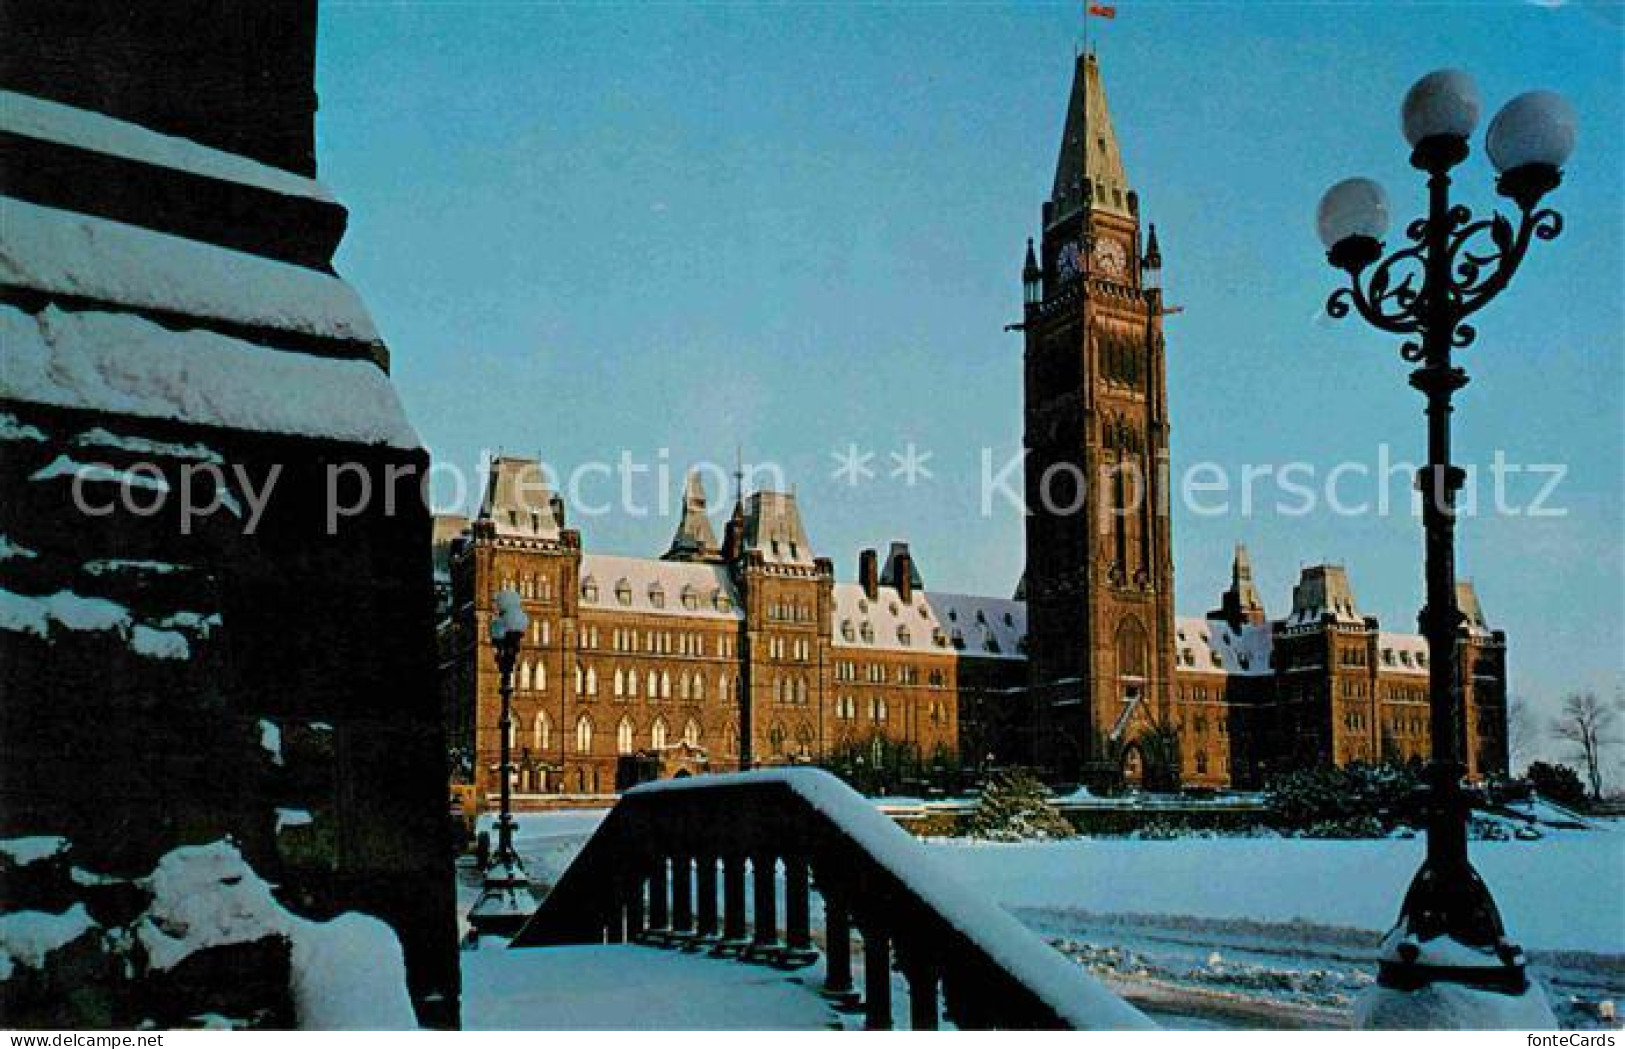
(1132, 767)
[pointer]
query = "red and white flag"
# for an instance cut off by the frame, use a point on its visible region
(1103, 10)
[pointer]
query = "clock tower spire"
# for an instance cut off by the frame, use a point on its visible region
(1099, 566)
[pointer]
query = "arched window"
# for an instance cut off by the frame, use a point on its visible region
(623, 736)
(524, 676)
(581, 679)
(1131, 649)
(592, 681)
(665, 685)
(540, 680)
(699, 686)
(775, 739)
(801, 692)
(632, 683)
(657, 734)
(691, 733)
(683, 687)
(584, 735)
(654, 686)
(542, 732)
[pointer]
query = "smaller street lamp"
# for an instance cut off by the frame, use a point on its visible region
(506, 901)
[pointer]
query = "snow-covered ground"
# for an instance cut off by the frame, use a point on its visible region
(635, 988)
(1253, 932)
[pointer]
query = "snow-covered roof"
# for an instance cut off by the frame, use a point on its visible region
(1213, 645)
(988, 626)
(41, 119)
(674, 588)
(886, 623)
(1402, 653)
(120, 363)
(973, 626)
(65, 253)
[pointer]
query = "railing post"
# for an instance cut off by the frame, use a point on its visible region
(923, 1012)
(706, 888)
(634, 909)
(682, 898)
(876, 979)
(659, 902)
(764, 940)
(837, 951)
(798, 944)
(733, 905)
(615, 920)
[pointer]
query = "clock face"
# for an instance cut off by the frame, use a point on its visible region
(1069, 260)
(1110, 258)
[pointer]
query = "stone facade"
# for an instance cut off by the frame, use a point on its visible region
(743, 654)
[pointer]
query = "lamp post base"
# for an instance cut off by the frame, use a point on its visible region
(506, 902)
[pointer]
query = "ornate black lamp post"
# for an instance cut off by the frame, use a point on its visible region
(1452, 267)
(505, 901)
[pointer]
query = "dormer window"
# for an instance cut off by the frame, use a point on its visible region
(691, 598)
(1009, 620)
(867, 632)
(720, 601)
(953, 615)
(958, 638)
(589, 590)
(863, 606)
(623, 592)
(657, 596)
(903, 636)
(846, 630)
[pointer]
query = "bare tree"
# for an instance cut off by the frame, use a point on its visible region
(1522, 734)
(1588, 724)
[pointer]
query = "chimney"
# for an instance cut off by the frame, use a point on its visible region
(869, 573)
(905, 577)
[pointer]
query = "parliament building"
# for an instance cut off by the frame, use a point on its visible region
(747, 651)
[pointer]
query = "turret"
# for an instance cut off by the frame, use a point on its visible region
(694, 540)
(1240, 604)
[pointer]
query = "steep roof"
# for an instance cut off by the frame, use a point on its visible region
(773, 526)
(1090, 167)
(518, 500)
(695, 539)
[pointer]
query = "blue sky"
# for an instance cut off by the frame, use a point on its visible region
(597, 228)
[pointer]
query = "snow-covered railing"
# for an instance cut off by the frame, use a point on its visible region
(651, 874)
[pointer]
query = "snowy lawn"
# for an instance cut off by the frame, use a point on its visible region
(1559, 894)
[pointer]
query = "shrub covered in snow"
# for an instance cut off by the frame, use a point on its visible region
(1354, 801)
(1015, 806)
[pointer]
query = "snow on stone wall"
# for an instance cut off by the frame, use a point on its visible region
(120, 363)
(66, 253)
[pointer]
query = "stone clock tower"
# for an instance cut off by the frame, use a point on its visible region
(1099, 564)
